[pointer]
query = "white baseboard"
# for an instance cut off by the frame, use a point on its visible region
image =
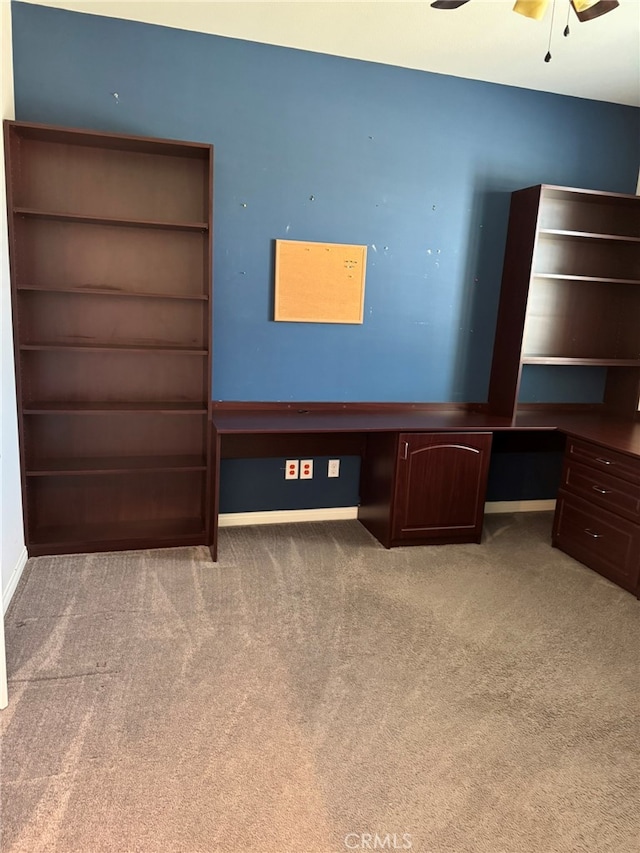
(340, 513)
(282, 516)
(519, 506)
(16, 574)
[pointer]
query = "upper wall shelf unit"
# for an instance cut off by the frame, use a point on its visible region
(111, 248)
(570, 293)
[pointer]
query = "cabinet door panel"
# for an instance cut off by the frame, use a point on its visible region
(440, 488)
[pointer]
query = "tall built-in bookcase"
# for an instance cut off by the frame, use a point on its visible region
(570, 293)
(111, 254)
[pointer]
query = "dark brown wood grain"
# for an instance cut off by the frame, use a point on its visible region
(505, 371)
(602, 540)
(110, 249)
(389, 419)
(570, 292)
(597, 518)
(440, 487)
(377, 480)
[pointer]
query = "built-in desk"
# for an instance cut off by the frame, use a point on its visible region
(403, 445)
(298, 419)
(399, 503)
(621, 435)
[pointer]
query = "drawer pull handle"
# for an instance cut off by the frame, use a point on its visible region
(405, 449)
(601, 491)
(592, 534)
(604, 461)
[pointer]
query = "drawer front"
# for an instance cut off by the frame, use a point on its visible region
(598, 487)
(606, 543)
(602, 459)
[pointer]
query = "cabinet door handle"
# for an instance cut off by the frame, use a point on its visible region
(405, 449)
(592, 534)
(603, 461)
(601, 491)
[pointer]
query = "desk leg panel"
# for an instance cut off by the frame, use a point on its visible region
(215, 491)
(377, 480)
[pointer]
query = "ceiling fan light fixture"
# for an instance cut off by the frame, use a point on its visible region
(587, 10)
(534, 9)
(581, 5)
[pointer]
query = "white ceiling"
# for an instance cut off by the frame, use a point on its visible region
(483, 40)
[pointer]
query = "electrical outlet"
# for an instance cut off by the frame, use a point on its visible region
(306, 469)
(291, 469)
(333, 468)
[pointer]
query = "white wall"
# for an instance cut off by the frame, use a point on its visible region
(485, 41)
(12, 551)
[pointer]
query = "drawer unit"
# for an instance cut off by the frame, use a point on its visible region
(597, 519)
(601, 540)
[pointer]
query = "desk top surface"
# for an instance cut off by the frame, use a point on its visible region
(310, 420)
(616, 434)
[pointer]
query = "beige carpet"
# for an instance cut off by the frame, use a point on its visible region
(311, 691)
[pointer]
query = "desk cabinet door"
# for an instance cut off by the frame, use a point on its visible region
(440, 487)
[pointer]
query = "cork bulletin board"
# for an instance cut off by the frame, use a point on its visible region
(319, 282)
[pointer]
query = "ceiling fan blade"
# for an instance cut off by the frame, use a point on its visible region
(448, 4)
(531, 8)
(587, 11)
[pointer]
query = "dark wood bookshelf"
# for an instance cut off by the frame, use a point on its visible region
(570, 293)
(110, 240)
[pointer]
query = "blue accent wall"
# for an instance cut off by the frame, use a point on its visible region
(541, 383)
(253, 485)
(417, 166)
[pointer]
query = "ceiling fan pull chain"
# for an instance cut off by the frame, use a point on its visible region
(566, 30)
(553, 14)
